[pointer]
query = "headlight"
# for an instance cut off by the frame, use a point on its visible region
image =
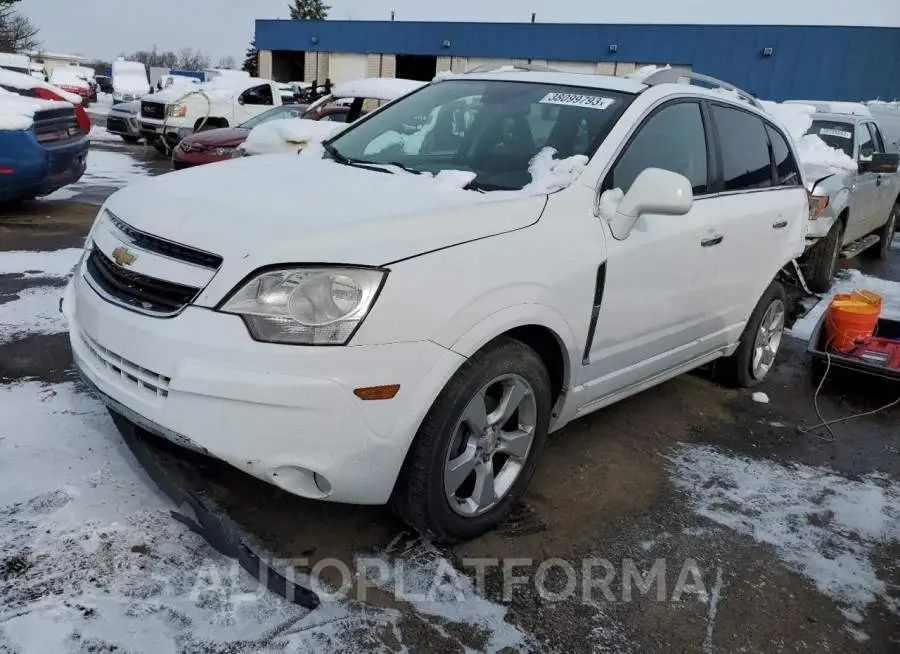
(306, 306)
(177, 111)
(223, 152)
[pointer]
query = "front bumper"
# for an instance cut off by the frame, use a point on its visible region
(123, 125)
(154, 129)
(284, 414)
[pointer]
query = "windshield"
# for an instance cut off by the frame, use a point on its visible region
(836, 135)
(490, 128)
(274, 113)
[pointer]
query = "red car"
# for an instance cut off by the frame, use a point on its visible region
(69, 80)
(28, 86)
(219, 144)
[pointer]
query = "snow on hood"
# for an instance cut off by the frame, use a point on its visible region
(256, 211)
(814, 153)
(26, 82)
(377, 88)
(17, 112)
(288, 134)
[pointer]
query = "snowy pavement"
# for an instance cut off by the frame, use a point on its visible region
(764, 538)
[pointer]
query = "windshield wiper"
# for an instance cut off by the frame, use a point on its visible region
(347, 161)
(401, 166)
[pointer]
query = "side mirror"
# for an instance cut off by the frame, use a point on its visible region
(655, 191)
(881, 162)
(241, 100)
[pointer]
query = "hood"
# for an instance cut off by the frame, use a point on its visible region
(130, 108)
(259, 211)
(218, 137)
(289, 134)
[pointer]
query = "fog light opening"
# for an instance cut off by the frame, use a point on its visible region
(322, 483)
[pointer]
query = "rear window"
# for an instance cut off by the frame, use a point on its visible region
(836, 135)
(746, 164)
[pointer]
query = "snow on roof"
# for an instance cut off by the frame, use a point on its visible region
(377, 88)
(276, 135)
(811, 150)
(67, 75)
(17, 112)
(26, 82)
(831, 107)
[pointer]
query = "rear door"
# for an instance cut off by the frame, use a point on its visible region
(764, 205)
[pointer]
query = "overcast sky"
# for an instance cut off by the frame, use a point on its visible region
(106, 28)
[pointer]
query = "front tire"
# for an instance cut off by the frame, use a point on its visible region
(131, 140)
(755, 357)
(479, 445)
(824, 258)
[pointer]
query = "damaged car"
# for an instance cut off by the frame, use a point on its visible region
(402, 315)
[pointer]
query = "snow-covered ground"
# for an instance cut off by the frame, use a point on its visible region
(106, 169)
(821, 524)
(91, 560)
(101, 106)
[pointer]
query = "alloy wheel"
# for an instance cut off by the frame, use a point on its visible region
(768, 340)
(490, 445)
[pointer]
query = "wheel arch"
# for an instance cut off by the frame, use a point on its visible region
(216, 121)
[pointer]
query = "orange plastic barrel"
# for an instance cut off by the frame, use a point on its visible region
(851, 318)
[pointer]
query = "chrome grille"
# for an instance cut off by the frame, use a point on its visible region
(134, 290)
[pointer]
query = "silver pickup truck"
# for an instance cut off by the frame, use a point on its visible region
(850, 211)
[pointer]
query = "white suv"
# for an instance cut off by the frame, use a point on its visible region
(403, 316)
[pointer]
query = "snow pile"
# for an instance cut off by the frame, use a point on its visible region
(17, 112)
(820, 524)
(27, 82)
(377, 88)
(812, 150)
(101, 135)
(66, 76)
(549, 174)
(644, 72)
(27, 264)
(288, 134)
(848, 281)
(760, 398)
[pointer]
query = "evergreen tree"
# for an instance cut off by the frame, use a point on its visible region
(308, 10)
(251, 60)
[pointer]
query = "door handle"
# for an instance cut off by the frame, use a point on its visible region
(712, 240)
(781, 224)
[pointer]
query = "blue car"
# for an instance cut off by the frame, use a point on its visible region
(41, 149)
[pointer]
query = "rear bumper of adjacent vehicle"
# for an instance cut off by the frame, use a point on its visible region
(31, 169)
(287, 415)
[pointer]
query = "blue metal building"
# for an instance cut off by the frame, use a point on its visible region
(774, 62)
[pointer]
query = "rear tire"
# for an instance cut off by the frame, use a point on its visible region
(886, 234)
(824, 259)
(502, 447)
(756, 354)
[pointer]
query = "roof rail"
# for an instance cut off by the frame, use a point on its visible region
(674, 76)
(525, 68)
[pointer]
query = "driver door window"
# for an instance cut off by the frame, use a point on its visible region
(866, 142)
(672, 139)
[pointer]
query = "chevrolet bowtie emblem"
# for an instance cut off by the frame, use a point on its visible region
(123, 256)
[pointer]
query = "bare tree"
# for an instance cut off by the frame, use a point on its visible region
(190, 59)
(226, 62)
(17, 32)
(154, 58)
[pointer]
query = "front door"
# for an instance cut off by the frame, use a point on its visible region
(864, 197)
(253, 102)
(662, 285)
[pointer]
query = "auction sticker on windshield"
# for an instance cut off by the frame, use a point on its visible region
(578, 100)
(828, 131)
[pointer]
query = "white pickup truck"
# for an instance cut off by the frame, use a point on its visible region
(169, 116)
